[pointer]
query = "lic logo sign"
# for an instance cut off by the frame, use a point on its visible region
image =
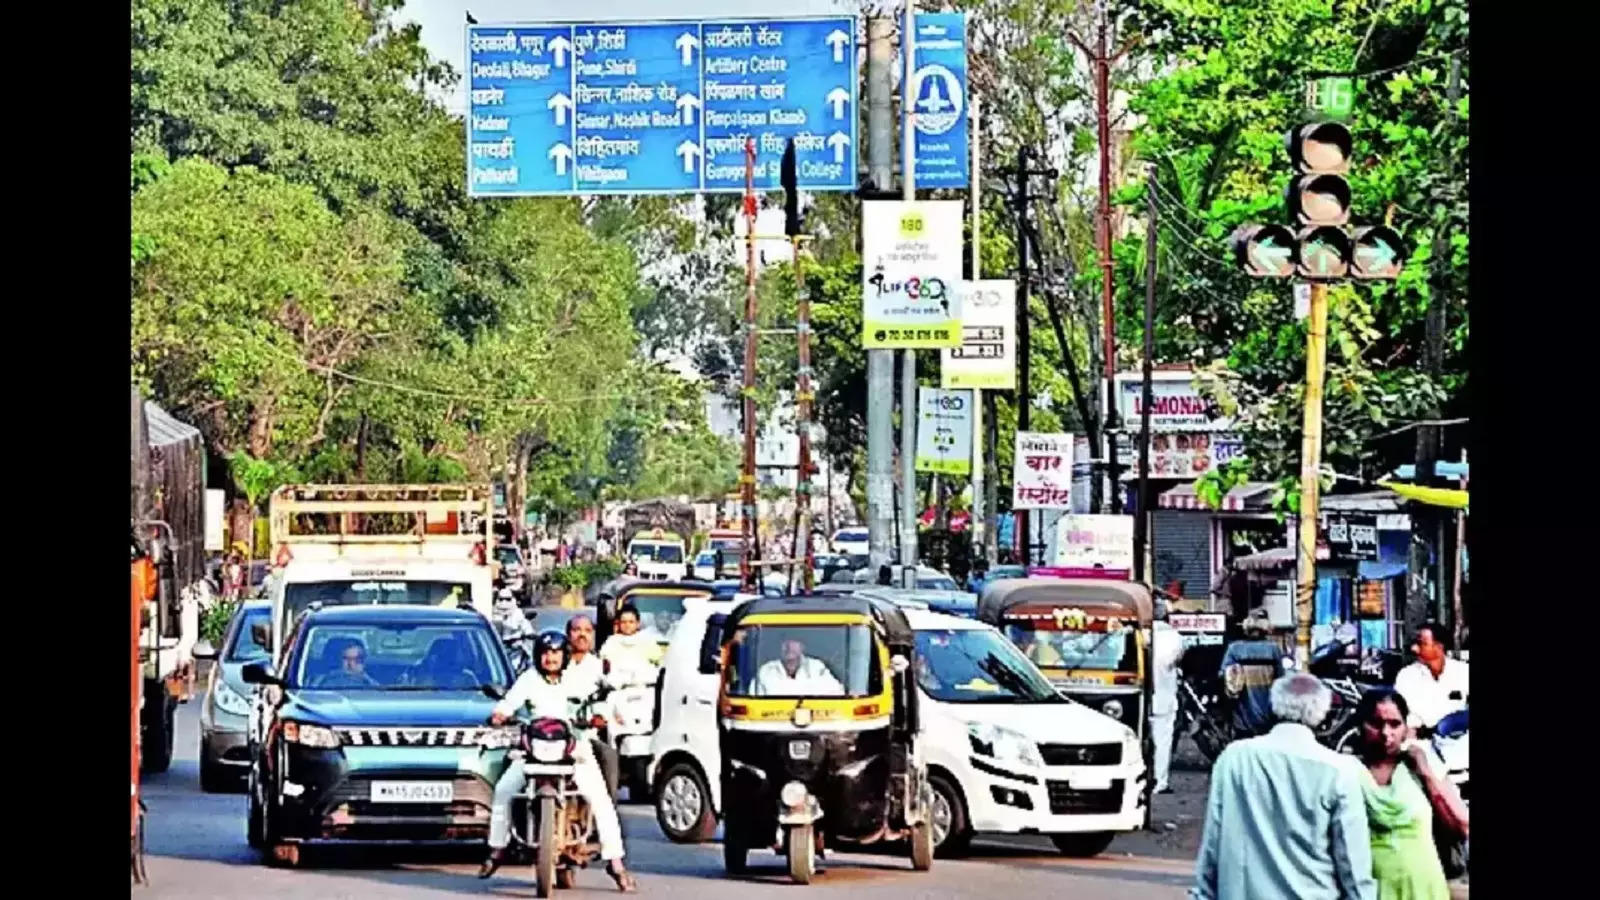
(938, 99)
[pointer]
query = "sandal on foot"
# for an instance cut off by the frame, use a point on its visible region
(624, 880)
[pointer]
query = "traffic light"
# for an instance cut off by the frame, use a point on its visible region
(1324, 254)
(1264, 251)
(1377, 253)
(1319, 200)
(1321, 149)
(788, 176)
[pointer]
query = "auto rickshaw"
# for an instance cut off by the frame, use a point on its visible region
(818, 727)
(660, 605)
(1088, 636)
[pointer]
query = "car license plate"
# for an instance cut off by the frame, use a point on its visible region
(799, 749)
(1091, 784)
(412, 792)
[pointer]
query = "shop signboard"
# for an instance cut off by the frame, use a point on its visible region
(1351, 536)
(1042, 471)
(1094, 546)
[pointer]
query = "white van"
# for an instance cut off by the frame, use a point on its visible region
(1006, 753)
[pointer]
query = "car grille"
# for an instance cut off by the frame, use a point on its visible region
(1064, 800)
(411, 737)
(1081, 754)
(470, 806)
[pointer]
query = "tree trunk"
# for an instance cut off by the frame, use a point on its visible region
(260, 435)
(241, 524)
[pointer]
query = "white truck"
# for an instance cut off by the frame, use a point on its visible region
(359, 544)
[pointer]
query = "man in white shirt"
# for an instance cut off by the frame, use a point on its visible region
(585, 674)
(1166, 649)
(602, 547)
(1435, 685)
(544, 693)
(794, 674)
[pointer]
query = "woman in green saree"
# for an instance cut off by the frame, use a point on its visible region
(1404, 788)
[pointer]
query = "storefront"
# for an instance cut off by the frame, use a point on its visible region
(1363, 581)
(1191, 545)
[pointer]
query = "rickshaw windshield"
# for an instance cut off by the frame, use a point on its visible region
(803, 661)
(659, 614)
(1049, 648)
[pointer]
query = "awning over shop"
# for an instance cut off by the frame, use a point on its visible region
(1430, 496)
(1378, 571)
(1252, 496)
(1276, 559)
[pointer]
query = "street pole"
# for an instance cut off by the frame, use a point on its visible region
(1310, 464)
(1103, 121)
(1024, 351)
(803, 399)
(880, 363)
(908, 365)
(1141, 523)
(747, 476)
(975, 516)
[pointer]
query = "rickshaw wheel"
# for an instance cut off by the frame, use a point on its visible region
(922, 846)
(734, 856)
(801, 851)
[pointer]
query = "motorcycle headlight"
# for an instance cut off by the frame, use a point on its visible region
(229, 700)
(1112, 708)
(548, 751)
(1003, 744)
(499, 738)
(308, 735)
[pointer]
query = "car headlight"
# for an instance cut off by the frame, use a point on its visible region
(1112, 708)
(308, 735)
(793, 795)
(1003, 744)
(499, 738)
(229, 700)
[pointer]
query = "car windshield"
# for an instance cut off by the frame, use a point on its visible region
(850, 537)
(243, 648)
(977, 665)
(666, 553)
(299, 596)
(803, 661)
(507, 555)
(658, 613)
(705, 559)
(398, 656)
(936, 583)
(1094, 649)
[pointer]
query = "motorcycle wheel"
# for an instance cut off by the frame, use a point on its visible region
(801, 850)
(544, 865)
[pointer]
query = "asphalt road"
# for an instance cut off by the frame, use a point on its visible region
(196, 848)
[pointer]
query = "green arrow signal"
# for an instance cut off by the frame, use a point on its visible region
(1269, 257)
(1378, 255)
(1322, 255)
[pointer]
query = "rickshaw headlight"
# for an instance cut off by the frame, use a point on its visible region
(1112, 708)
(1003, 744)
(793, 795)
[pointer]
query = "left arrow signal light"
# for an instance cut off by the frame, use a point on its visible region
(1264, 251)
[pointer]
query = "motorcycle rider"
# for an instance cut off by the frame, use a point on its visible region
(508, 618)
(585, 675)
(544, 694)
(1248, 669)
(1435, 685)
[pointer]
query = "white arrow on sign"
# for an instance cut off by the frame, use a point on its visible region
(560, 47)
(837, 40)
(690, 151)
(838, 97)
(686, 43)
(838, 141)
(561, 153)
(1269, 258)
(560, 103)
(687, 103)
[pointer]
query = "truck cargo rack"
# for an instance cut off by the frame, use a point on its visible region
(337, 515)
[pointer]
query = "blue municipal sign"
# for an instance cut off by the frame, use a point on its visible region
(939, 97)
(659, 107)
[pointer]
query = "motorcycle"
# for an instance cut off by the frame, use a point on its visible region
(551, 818)
(1201, 713)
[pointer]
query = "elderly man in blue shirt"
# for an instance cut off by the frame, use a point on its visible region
(1286, 819)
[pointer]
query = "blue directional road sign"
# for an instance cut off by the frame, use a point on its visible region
(659, 107)
(939, 98)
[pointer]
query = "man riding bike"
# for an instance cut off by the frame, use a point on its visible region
(541, 692)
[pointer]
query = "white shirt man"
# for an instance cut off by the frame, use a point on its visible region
(796, 675)
(1166, 649)
(1435, 685)
(602, 548)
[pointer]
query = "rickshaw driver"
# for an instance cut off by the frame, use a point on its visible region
(794, 674)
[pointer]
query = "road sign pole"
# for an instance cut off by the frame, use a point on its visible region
(975, 516)
(908, 372)
(1310, 465)
(880, 363)
(747, 477)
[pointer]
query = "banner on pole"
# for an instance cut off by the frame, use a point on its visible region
(1042, 471)
(944, 431)
(986, 358)
(1092, 546)
(911, 264)
(939, 98)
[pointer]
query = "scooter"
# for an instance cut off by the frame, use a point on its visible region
(633, 709)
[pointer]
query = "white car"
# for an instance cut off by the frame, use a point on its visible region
(851, 541)
(705, 565)
(1006, 753)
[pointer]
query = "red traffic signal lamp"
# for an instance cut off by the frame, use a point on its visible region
(1264, 251)
(1377, 253)
(1323, 254)
(1319, 200)
(1324, 148)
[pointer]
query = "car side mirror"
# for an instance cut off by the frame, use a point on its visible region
(258, 673)
(900, 664)
(203, 649)
(261, 635)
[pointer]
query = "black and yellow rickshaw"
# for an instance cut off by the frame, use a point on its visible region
(1088, 636)
(818, 728)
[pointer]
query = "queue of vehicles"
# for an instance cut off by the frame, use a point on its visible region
(353, 704)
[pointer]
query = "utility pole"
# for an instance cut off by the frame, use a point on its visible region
(1141, 524)
(908, 365)
(880, 363)
(747, 475)
(975, 518)
(1102, 63)
(1310, 470)
(804, 397)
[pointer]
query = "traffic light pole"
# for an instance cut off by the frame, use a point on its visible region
(1310, 466)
